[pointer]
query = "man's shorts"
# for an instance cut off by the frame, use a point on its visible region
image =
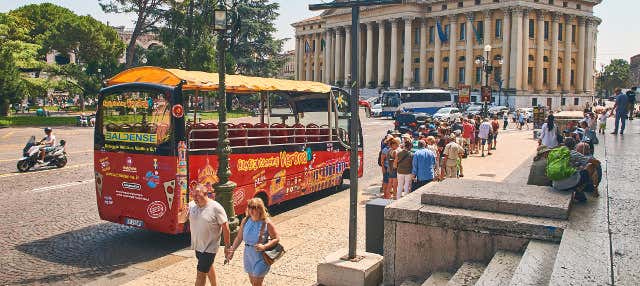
(385, 177)
(467, 141)
(495, 136)
(484, 141)
(205, 260)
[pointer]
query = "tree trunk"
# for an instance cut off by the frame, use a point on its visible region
(4, 106)
(131, 50)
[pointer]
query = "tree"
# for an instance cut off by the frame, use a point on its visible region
(148, 14)
(10, 80)
(616, 74)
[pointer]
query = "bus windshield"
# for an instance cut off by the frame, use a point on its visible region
(425, 97)
(391, 99)
(137, 122)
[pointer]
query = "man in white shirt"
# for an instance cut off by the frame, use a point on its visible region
(483, 134)
(207, 221)
(48, 143)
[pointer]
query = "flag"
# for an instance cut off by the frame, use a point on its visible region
(476, 32)
(307, 47)
(441, 33)
(322, 44)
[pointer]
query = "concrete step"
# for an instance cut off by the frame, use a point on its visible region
(412, 281)
(467, 274)
(438, 279)
(492, 223)
(507, 198)
(536, 264)
(583, 259)
(500, 269)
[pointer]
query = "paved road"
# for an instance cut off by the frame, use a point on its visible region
(51, 231)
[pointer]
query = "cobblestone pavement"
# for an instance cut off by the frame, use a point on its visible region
(51, 231)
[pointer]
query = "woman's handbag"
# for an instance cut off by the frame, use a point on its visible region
(274, 253)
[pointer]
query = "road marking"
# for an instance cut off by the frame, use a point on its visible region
(16, 159)
(7, 175)
(7, 135)
(51, 188)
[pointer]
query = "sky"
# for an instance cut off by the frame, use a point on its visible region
(619, 36)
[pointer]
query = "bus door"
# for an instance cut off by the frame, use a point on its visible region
(140, 177)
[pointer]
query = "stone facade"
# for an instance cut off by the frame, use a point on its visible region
(635, 70)
(547, 47)
(288, 70)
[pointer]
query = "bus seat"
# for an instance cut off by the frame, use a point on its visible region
(299, 133)
(278, 134)
(312, 133)
(324, 133)
(207, 131)
(260, 132)
(237, 135)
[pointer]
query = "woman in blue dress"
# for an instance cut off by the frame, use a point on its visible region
(256, 220)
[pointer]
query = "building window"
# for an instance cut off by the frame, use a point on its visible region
(430, 75)
(576, 101)
(463, 31)
(480, 30)
(444, 6)
(432, 34)
(572, 77)
(530, 75)
(416, 75)
(534, 102)
(559, 77)
(461, 75)
(545, 75)
(417, 37)
(579, 6)
(447, 30)
(429, 9)
(445, 75)
(479, 75)
(416, 60)
(498, 30)
(477, 2)
(563, 101)
(460, 4)
(546, 30)
(545, 59)
(497, 75)
(532, 28)
(551, 2)
(560, 31)
(573, 33)
(565, 4)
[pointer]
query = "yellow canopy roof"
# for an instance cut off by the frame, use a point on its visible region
(197, 80)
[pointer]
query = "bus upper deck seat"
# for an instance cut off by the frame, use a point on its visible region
(278, 133)
(237, 135)
(312, 131)
(299, 133)
(259, 134)
(324, 133)
(208, 131)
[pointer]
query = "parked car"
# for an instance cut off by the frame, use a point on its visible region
(376, 110)
(448, 113)
(498, 111)
(422, 118)
(364, 103)
(473, 110)
(407, 121)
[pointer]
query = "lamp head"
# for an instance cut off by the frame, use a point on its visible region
(487, 48)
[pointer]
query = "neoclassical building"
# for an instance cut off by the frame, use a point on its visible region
(543, 51)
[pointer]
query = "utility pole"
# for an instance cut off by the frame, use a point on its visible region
(353, 103)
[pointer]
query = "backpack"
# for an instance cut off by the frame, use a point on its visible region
(559, 164)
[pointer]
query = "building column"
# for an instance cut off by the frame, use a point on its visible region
(525, 49)
(299, 58)
(316, 62)
(468, 56)
(486, 38)
(453, 55)
(331, 61)
(581, 39)
(382, 68)
(423, 53)
(338, 56)
(393, 73)
(369, 67)
(347, 54)
(515, 73)
(506, 47)
(437, 57)
(539, 68)
(309, 58)
(589, 59)
(566, 84)
(553, 80)
(407, 78)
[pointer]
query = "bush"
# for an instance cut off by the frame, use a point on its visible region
(37, 121)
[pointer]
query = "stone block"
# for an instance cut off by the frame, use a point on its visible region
(492, 223)
(389, 249)
(583, 259)
(590, 216)
(500, 269)
(626, 254)
(333, 271)
(536, 264)
(404, 209)
(625, 219)
(438, 279)
(467, 275)
(515, 199)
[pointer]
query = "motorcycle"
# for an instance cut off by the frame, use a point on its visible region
(31, 154)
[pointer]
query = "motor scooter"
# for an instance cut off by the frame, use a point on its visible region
(31, 154)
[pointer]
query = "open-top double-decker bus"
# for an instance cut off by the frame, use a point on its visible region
(148, 154)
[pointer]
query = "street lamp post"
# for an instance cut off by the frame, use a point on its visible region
(224, 188)
(484, 62)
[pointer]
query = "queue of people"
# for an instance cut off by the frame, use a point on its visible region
(433, 153)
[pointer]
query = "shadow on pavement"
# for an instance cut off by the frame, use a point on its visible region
(304, 200)
(97, 250)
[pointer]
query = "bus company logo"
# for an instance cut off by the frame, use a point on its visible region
(108, 200)
(131, 137)
(156, 209)
(131, 186)
(104, 164)
(238, 197)
(128, 166)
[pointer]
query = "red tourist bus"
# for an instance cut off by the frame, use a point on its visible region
(149, 153)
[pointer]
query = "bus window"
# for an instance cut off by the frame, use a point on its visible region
(391, 99)
(136, 122)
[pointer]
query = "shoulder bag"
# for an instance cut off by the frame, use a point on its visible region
(274, 253)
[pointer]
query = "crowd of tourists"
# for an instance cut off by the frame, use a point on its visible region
(434, 152)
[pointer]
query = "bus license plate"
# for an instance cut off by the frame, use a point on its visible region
(133, 222)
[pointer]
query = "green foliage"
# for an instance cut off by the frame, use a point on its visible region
(37, 121)
(616, 74)
(10, 81)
